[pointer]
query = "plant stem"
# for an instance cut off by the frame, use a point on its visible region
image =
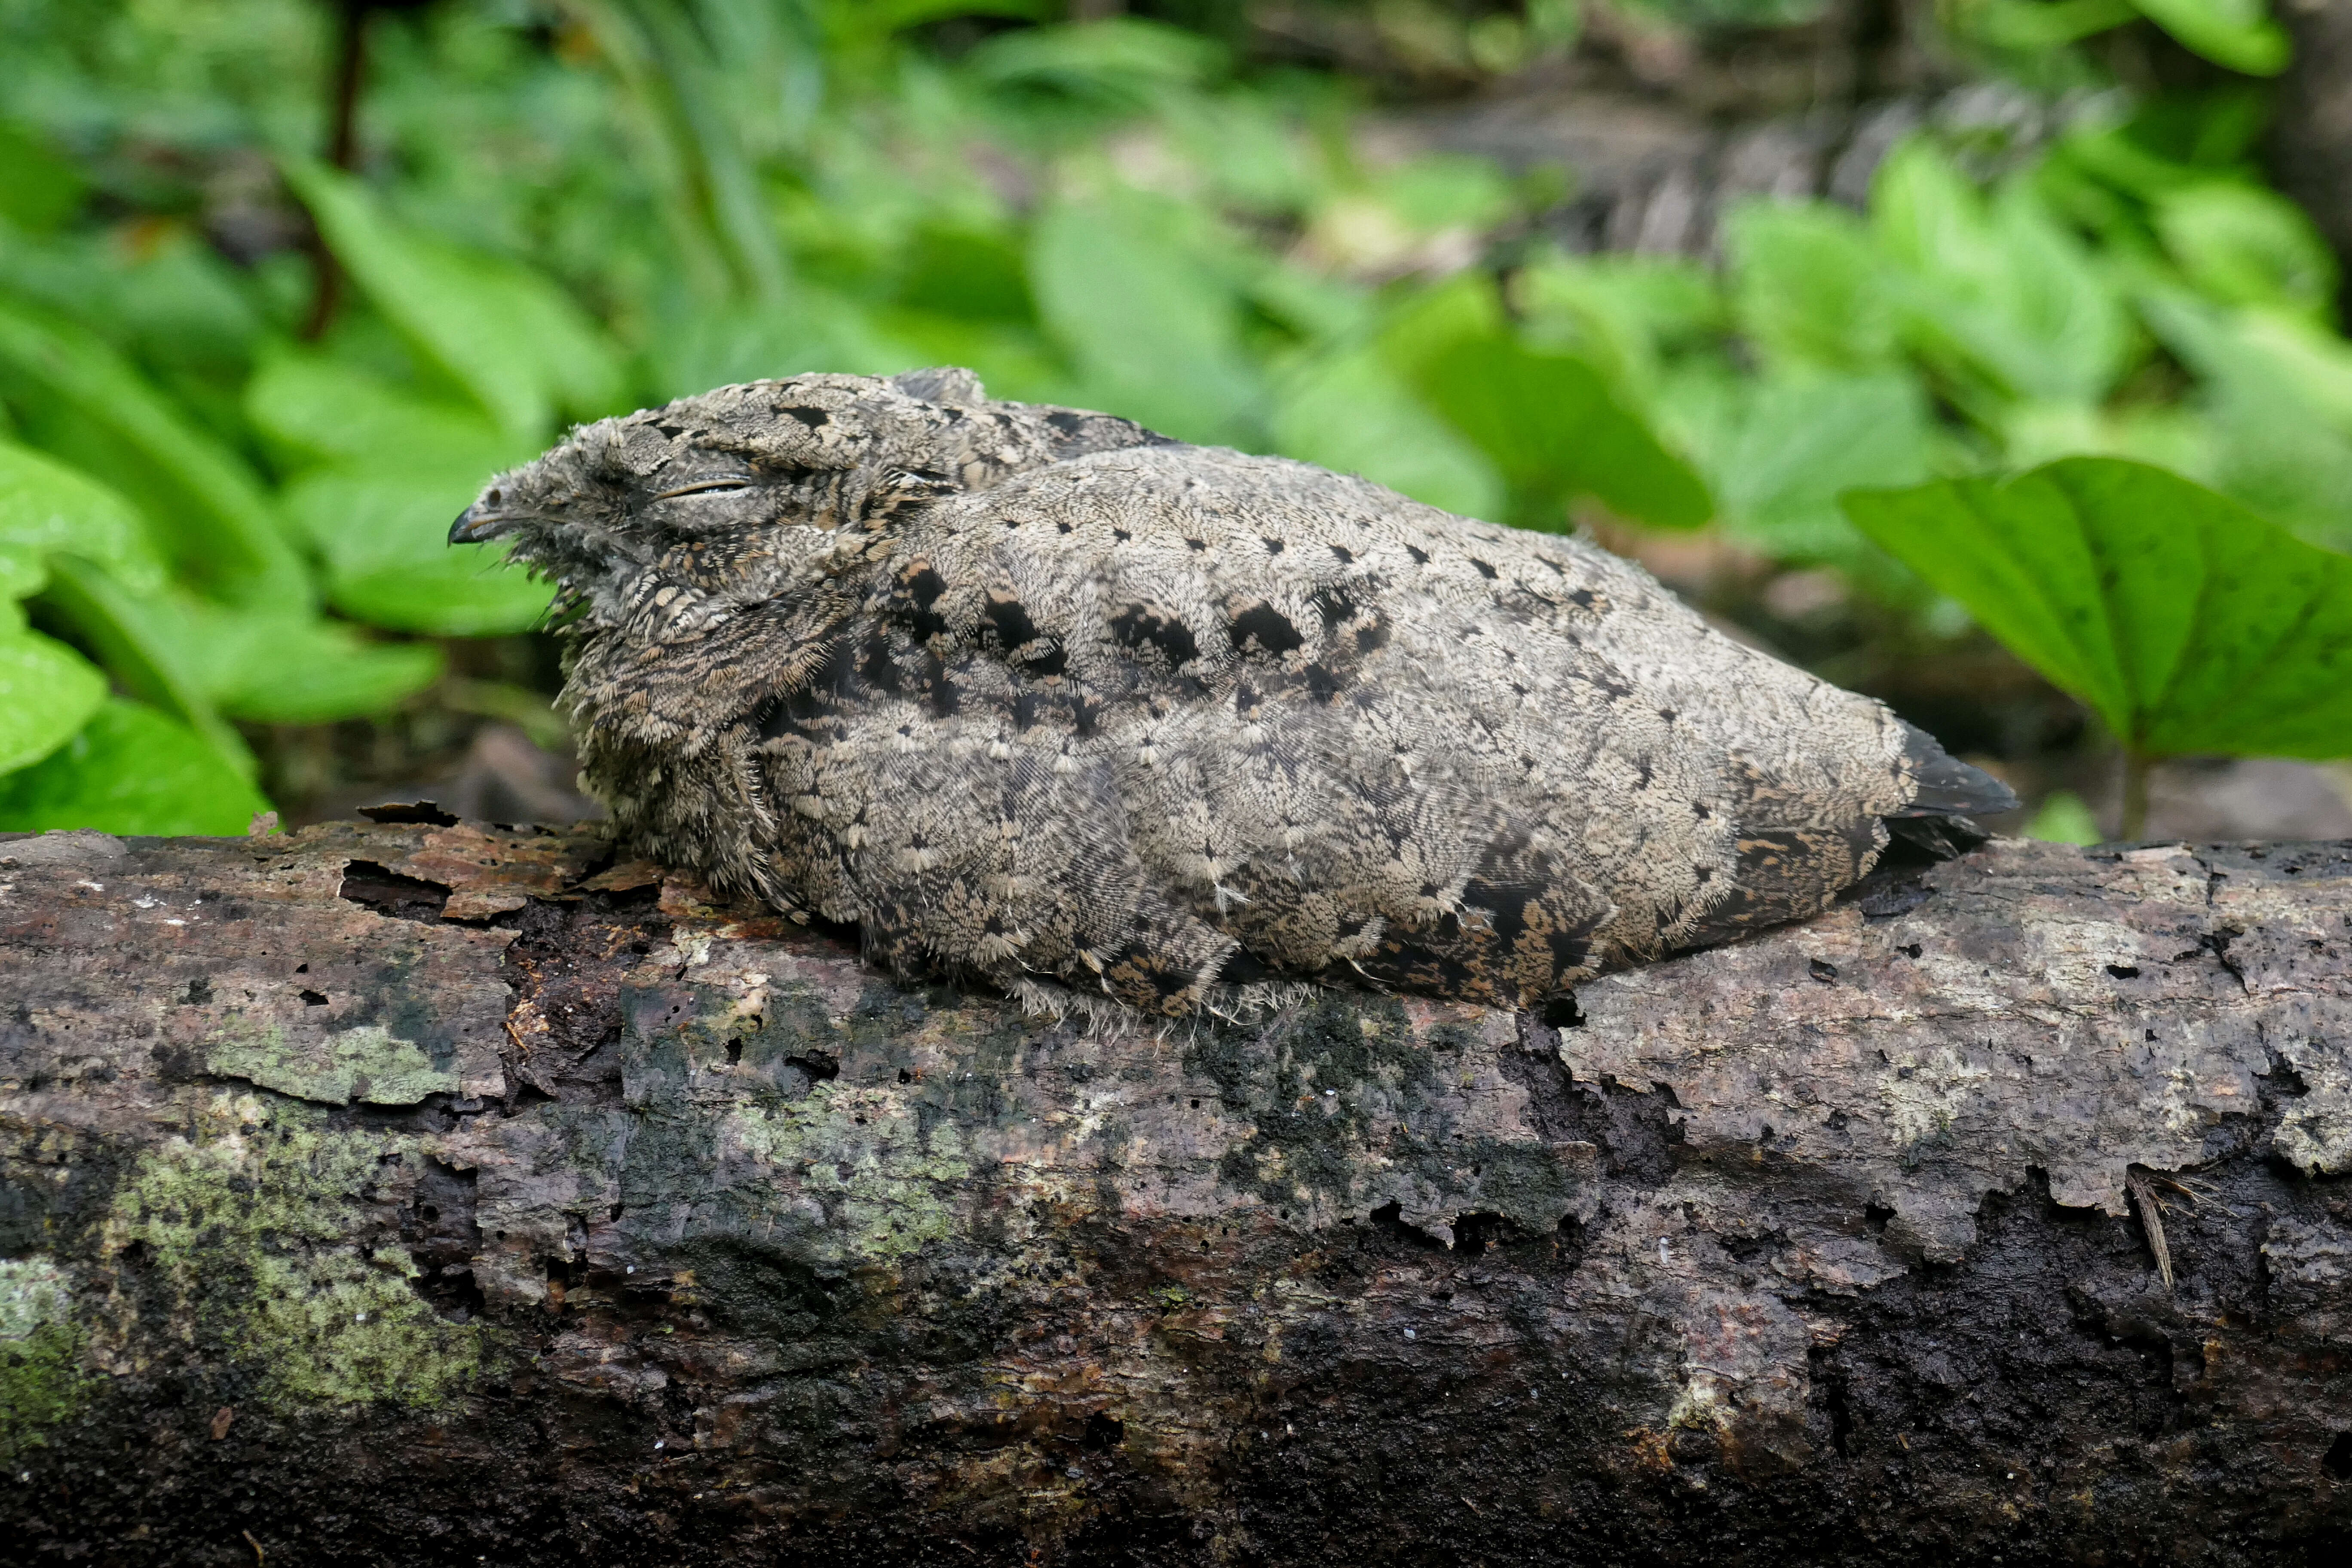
(343, 152)
(2135, 766)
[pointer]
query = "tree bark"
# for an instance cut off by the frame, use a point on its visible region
(428, 1193)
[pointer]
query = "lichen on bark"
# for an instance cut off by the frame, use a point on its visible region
(705, 1243)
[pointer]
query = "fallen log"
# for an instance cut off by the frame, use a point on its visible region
(420, 1191)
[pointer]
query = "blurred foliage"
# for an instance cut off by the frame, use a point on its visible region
(215, 528)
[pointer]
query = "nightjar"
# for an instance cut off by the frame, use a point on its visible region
(1035, 696)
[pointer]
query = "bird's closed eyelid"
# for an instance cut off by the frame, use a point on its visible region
(705, 487)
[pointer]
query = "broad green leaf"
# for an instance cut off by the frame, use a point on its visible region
(384, 535)
(1437, 191)
(303, 670)
(471, 595)
(379, 516)
(1154, 333)
(1810, 287)
(198, 660)
(1627, 316)
(814, 330)
(42, 188)
(48, 509)
(2239, 34)
(1550, 426)
(1799, 441)
(2261, 353)
(22, 572)
(977, 274)
(129, 770)
(1118, 66)
(2188, 622)
(2276, 397)
(1466, 307)
(1349, 412)
(1998, 295)
(2064, 820)
(208, 510)
(47, 692)
(145, 646)
(2168, 435)
(2240, 245)
(510, 337)
(325, 409)
(2043, 23)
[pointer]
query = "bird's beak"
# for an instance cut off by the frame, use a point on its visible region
(478, 523)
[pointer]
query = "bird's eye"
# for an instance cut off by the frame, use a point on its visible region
(704, 488)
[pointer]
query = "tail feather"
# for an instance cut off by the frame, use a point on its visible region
(1943, 785)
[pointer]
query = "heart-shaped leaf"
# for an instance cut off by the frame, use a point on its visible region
(2186, 621)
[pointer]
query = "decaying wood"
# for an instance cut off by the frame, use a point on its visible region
(424, 1193)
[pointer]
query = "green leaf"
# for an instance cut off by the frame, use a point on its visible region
(1997, 295)
(1118, 66)
(719, 345)
(43, 189)
(2237, 34)
(1627, 316)
(323, 409)
(1550, 425)
(47, 692)
(48, 509)
(1466, 307)
(208, 509)
(379, 516)
(2188, 622)
(2276, 395)
(2043, 23)
(145, 646)
(2064, 820)
(129, 770)
(1152, 329)
(384, 535)
(285, 670)
(511, 338)
(1799, 441)
(1810, 287)
(200, 661)
(2244, 246)
(1349, 412)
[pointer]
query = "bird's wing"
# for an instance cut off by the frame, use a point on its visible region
(1353, 731)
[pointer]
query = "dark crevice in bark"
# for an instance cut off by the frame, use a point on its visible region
(761, 1258)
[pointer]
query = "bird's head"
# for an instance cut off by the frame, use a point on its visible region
(722, 497)
(702, 494)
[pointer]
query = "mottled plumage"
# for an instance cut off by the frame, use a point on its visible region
(1034, 695)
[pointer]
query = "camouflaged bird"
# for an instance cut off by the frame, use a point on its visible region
(1037, 696)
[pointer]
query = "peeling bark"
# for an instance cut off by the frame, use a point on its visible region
(425, 1193)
